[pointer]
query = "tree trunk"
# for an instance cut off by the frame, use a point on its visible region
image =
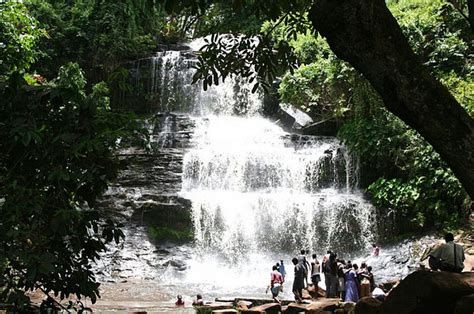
(470, 13)
(365, 34)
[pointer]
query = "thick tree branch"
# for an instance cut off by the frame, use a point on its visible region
(459, 8)
(470, 10)
(364, 33)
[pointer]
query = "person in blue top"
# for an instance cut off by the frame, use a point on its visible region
(281, 269)
(352, 293)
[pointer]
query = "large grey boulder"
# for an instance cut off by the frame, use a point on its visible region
(429, 292)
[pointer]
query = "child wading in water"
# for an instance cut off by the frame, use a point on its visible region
(179, 301)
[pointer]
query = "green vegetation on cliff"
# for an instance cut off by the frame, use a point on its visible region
(401, 171)
(58, 140)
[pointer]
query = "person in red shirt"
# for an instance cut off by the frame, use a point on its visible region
(180, 301)
(276, 282)
(375, 250)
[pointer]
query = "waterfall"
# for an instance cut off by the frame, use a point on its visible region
(256, 193)
(255, 188)
(248, 180)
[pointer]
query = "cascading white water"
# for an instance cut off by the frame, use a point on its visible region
(249, 182)
(170, 86)
(258, 194)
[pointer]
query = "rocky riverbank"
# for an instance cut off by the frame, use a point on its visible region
(421, 292)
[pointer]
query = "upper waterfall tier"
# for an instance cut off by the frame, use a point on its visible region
(167, 80)
(250, 154)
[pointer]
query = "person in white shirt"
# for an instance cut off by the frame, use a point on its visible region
(448, 256)
(315, 270)
(378, 293)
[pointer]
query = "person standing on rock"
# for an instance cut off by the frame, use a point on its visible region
(276, 281)
(352, 293)
(298, 282)
(364, 282)
(447, 257)
(281, 269)
(341, 276)
(315, 270)
(330, 274)
(326, 270)
(307, 267)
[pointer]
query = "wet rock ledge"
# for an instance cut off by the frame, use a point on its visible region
(420, 292)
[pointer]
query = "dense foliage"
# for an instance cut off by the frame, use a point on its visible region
(99, 35)
(19, 35)
(57, 159)
(400, 170)
(58, 141)
(59, 132)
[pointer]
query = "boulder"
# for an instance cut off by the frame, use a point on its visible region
(318, 306)
(348, 306)
(368, 305)
(294, 308)
(316, 291)
(283, 119)
(323, 304)
(465, 305)
(243, 305)
(211, 307)
(268, 308)
(428, 292)
(322, 128)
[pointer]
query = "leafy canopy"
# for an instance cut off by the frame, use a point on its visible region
(58, 141)
(57, 159)
(19, 34)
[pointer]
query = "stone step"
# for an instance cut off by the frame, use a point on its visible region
(269, 308)
(224, 311)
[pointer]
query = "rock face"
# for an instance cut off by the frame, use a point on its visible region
(429, 292)
(145, 199)
(321, 305)
(269, 308)
(367, 305)
(465, 305)
(216, 307)
(149, 181)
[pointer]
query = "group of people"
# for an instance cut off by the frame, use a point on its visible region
(343, 279)
(196, 302)
(348, 281)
